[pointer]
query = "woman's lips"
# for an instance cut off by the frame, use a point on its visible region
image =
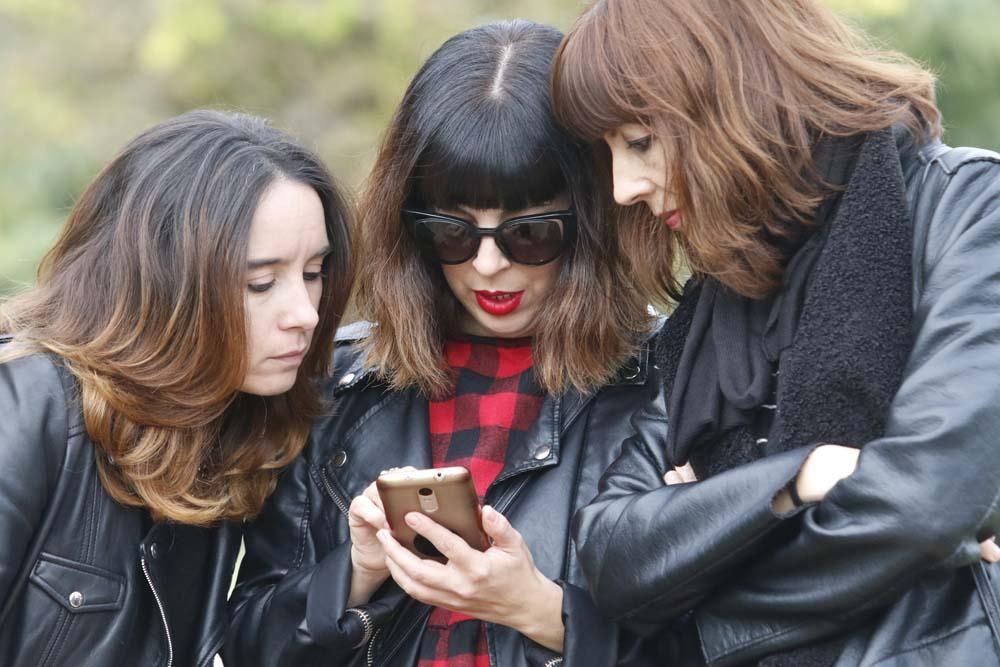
(499, 304)
(672, 219)
(291, 357)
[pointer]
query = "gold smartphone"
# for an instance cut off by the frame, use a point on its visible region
(446, 495)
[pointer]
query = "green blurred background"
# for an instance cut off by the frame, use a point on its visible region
(79, 78)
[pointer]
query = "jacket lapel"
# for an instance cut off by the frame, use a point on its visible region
(392, 434)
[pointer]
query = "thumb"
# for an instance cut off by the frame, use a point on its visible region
(498, 528)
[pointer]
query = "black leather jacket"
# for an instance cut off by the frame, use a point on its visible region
(289, 605)
(84, 580)
(890, 558)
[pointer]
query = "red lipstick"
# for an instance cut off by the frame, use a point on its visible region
(499, 304)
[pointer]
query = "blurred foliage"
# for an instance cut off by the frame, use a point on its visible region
(80, 78)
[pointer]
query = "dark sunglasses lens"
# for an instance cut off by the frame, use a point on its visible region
(533, 241)
(451, 242)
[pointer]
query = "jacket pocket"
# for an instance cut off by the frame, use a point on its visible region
(78, 587)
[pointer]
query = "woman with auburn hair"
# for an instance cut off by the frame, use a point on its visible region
(153, 383)
(831, 369)
(505, 340)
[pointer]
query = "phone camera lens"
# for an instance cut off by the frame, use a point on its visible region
(425, 491)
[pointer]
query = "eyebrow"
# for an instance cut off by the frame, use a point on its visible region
(275, 261)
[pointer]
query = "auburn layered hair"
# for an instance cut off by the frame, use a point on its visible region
(475, 128)
(737, 94)
(142, 297)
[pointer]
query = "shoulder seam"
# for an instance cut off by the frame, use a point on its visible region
(953, 159)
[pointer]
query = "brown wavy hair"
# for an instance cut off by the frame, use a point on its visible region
(142, 297)
(475, 128)
(737, 94)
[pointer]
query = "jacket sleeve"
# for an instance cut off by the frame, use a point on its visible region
(927, 492)
(650, 551)
(289, 605)
(33, 436)
(591, 639)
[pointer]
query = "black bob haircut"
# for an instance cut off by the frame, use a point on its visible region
(476, 129)
(481, 126)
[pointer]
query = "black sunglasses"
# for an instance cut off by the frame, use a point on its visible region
(527, 239)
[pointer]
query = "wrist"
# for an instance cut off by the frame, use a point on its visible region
(542, 621)
(364, 570)
(364, 582)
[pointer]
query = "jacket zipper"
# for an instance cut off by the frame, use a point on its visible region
(338, 501)
(370, 653)
(163, 613)
(334, 496)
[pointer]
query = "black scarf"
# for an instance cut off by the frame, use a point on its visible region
(838, 333)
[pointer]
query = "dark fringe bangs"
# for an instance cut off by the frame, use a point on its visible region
(492, 161)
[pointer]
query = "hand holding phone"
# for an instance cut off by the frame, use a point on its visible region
(446, 495)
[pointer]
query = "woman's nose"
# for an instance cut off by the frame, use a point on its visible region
(629, 185)
(300, 311)
(489, 260)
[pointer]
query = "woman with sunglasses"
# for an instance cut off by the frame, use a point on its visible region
(153, 382)
(832, 369)
(505, 340)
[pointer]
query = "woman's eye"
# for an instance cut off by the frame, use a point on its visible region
(260, 287)
(311, 276)
(641, 144)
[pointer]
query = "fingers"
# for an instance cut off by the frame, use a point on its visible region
(451, 546)
(395, 558)
(403, 557)
(989, 551)
(686, 473)
(372, 494)
(419, 577)
(680, 475)
(402, 577)
(363, 510)
(498, 528)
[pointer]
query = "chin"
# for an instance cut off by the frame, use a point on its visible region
(512, 330)
(272, 386)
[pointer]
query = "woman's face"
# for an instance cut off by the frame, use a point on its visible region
(500, 298)
(284, 282)
(640, 172)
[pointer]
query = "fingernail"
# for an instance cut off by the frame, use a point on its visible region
(412, 519)
(382, 535)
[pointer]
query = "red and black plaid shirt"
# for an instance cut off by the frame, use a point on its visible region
(496, 398)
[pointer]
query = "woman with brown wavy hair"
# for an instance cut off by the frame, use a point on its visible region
(844, 299)
(153, 383)
(506, 339)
